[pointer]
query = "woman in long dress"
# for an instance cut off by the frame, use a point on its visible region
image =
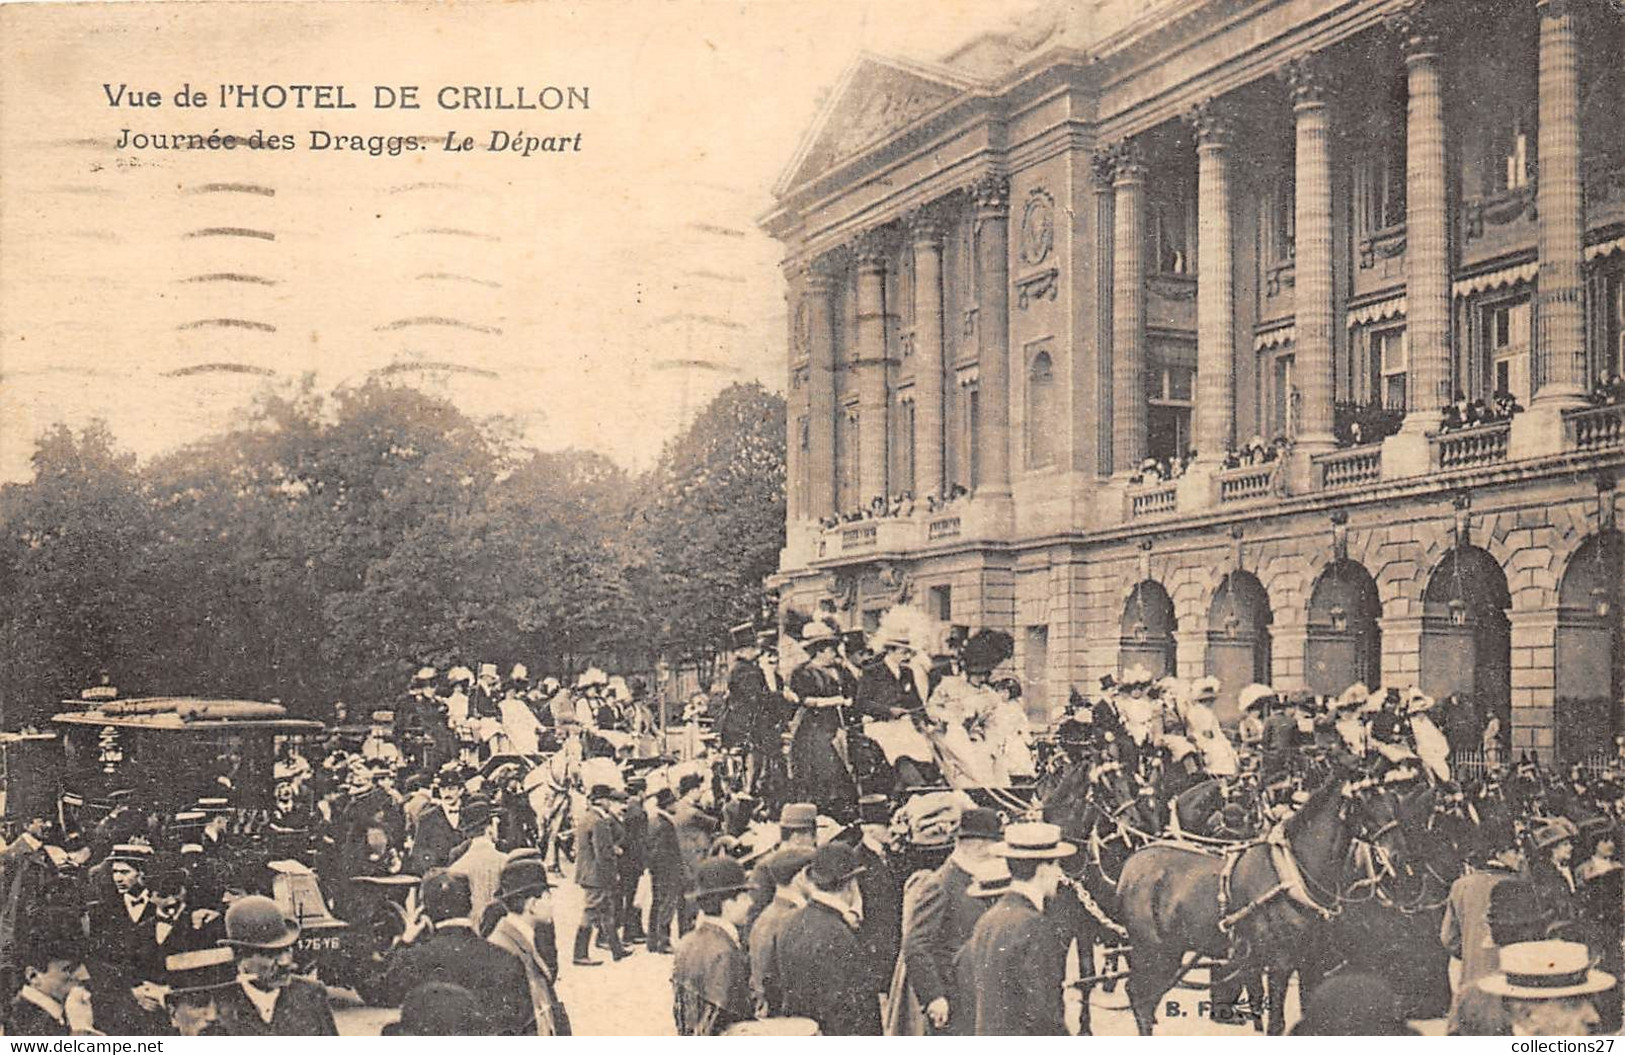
(818, 766)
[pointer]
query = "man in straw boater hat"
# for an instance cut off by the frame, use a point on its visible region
(268, 999)
(196, 979)
(1549, 988)
(940, 923)
(1012, 971)
(710, 975)
(822, 967)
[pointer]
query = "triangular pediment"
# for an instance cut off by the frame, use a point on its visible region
(874, 99)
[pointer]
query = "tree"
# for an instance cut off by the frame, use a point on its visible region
(715, 523)
(78, 598)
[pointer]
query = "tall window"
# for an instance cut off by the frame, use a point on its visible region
(1506, 333)
(1173, 230)
(1390, 358)
(1605, 314)
(906, 425)
(940, 603)
(1283, 397)
(1510, 164)
(1042, 424)
(1171, 392)
(1277, 224)
(973, 437)
(846, 456)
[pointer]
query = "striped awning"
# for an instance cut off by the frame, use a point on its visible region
(1502, 277)
(1279, 337)
(1376, 311)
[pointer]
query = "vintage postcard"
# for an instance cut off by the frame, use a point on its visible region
(838, 517)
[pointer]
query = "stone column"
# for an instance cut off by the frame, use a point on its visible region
(818, 303)
(1105, 232)
(1215, 288)
(1559, 310)
(992, 235)
(870, 251)
(1427, 242)
(1128, 313)
(926, 230)
(795, 405)
(1314, 322)
(1534, 678)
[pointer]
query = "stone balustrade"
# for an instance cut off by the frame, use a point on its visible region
(943, 527)
(1149, 500)
(1595, 428)
(1470, 448)
(1350, 467)
(1248, 482)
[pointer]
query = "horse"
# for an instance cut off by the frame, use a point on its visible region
(1393, 911)
(1261, 905)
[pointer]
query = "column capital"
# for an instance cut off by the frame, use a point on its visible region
(1554, 8)
(818, 274)
(1417, 27)
(1128, 163)
(1309, 79)
(991, 194)
(925, 225)
(1211, 120)
(1102, 167)
(871, 248)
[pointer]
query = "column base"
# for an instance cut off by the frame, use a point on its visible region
(1421, 422)
(1539, 431)
(1406, 453)
(1198, 489)
(1300, 467)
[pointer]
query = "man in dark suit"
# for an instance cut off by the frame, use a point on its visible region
(439, 826)
(598, 876)
(823, 972)
(268, 1000)
(171, 928)
(944, 915)
(53, 970)
(666, 870)
(696, 829)
(117, 920)
(454, 953)
(798, 827)
(1012, 971)
(882, 931)
(633, 860)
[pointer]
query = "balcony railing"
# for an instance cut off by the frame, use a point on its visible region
(1595, 428)
(1247, 482)
(1153, 500)
(857, 538)
(943, 528)
(1470, 448)
(1354, 467)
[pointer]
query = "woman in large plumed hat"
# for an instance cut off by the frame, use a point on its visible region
(819, 767)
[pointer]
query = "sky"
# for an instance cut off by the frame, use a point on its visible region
(599, 298)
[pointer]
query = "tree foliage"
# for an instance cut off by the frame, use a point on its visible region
(330, 544)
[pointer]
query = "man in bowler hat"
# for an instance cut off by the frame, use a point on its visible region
(823, 970)
(268, 999)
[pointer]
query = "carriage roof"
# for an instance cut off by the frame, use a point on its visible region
(188, 714)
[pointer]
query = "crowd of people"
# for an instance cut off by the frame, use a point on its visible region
(850, 843)
(901, 504)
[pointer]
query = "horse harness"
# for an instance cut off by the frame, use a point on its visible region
(1290, 881)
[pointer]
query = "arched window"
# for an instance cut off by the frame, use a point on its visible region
(1042, 424)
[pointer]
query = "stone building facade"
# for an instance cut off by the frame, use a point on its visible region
(1127, 234)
